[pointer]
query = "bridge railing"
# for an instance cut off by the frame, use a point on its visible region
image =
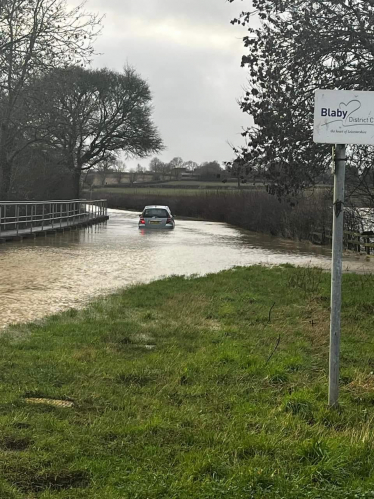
(30, 216)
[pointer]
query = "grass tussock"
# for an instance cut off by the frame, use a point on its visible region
(213, 387)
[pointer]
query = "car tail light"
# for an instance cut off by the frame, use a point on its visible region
(142, 221)
(169, 221)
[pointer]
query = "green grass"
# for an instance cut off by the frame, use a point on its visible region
(180, 391)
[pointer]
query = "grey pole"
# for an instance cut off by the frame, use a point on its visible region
(336, 273)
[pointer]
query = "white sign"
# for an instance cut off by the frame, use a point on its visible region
(343, 117)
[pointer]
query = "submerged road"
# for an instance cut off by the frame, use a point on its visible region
(49, 274)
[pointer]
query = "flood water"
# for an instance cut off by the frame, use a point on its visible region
(53, 273)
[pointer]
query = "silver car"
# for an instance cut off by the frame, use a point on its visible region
(156, 217)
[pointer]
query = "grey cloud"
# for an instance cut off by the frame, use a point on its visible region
(195, 82)
(193, 11)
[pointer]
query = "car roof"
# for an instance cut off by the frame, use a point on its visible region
(156, 206)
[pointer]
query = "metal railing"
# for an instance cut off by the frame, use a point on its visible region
(35, 216)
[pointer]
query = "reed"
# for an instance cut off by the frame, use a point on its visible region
(252, 210)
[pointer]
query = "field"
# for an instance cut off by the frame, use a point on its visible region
(201, 184)
(183, 188)
(155, 191)
(171, 189)
(213, 387)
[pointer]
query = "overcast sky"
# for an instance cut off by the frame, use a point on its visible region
(190, 55)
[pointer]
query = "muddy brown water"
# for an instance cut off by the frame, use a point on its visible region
(53, 273)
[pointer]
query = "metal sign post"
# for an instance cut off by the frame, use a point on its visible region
(336, 273)
(340, 117)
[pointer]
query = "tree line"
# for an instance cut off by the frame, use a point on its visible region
(59, 117)
(207, 169)
(161, 170)
(174, 170)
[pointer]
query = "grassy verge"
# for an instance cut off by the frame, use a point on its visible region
(192, 388)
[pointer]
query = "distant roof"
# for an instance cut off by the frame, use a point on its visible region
(156, 206)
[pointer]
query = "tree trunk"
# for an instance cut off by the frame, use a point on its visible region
(6, 176)
(5, 165)
(76, 183)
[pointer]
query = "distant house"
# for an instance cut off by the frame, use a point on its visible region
(189, 175)
(178, 172)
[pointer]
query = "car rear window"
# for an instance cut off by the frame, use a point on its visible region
(155, 212)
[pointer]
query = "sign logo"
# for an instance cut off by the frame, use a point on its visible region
(345, 114)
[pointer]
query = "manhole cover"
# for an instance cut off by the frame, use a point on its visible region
(54, 402)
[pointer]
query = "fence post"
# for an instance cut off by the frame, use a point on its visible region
(17, 218)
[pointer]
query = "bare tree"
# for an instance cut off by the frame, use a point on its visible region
(160, 168)
(89, 116)
(119, 168)
(190, 165)
(36, 35)
(103, 168)
(240, 170)
(133, 175)
(175, 167)
(140, 171)
(176, 162)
